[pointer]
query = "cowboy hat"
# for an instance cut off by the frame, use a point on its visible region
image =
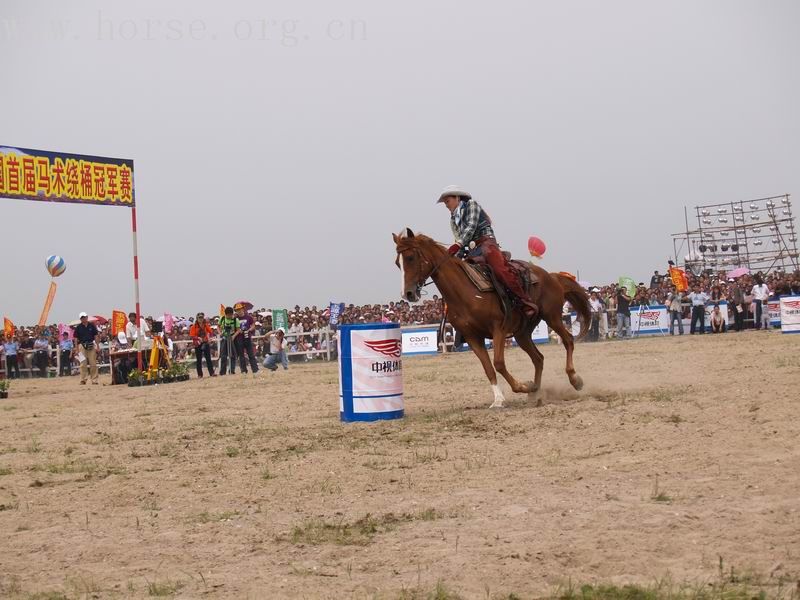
(453, 190)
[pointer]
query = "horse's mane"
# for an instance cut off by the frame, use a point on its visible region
(418, 239)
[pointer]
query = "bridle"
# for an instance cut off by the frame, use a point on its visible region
(420, 257)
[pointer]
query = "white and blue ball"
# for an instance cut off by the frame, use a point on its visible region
(55, 265)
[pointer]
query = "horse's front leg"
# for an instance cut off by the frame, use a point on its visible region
(499, 342)
(479, 349)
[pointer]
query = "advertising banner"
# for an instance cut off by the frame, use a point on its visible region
(774, 308)
(46, 176)
(649, 320)
(420, 341)
(336, 309)
(790, 314)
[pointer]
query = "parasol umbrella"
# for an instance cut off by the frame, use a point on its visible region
(244, 304)
(265, 313)
(738, 272)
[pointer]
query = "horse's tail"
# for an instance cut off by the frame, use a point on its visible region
(579, 301)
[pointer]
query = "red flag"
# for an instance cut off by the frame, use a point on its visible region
(118, 322)
(679, 278)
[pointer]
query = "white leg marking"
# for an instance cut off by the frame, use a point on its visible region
(402, 279)
(498, 397)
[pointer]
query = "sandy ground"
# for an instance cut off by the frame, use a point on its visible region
(680, 453)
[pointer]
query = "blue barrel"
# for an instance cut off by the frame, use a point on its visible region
(370, 372)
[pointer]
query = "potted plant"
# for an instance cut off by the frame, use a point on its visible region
(4, 385)
(168, 375)
(135, 378)
(181, 372)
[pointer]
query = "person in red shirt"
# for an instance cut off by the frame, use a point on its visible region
(200, 333)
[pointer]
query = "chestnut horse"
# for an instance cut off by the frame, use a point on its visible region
(479, 315)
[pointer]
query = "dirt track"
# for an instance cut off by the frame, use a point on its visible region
(678, 452)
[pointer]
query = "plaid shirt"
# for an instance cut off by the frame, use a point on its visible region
(469, 223)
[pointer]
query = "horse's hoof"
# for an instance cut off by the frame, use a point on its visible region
(496, 405)
(577, 383)
(536, 398)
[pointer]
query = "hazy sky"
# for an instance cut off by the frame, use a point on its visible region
(277, 145)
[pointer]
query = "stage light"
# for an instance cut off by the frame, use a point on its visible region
(757, 243)
(725, 247)
(770, 204)
(775, 241)
(756, 230)
(787, 212)
(734, 247)
(707, 221)
(724, 233)
(723, 219)
(705, 213)
(754, 206)
(755, 217)
(784, 201)
(772, 228)
(702, 247)
(737, 208)
(738, 218)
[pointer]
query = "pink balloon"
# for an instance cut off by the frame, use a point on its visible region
(536, 246)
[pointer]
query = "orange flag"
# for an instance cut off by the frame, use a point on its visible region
(118, 322)
(8, 327)
(679, 278)
(221, 310)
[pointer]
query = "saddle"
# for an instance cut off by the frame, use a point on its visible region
(482, 277)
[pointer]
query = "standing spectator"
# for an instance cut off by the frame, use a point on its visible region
(760, 294)
(675, 304)
(200, 333)
(736, 299)
(11, 350)
(699, 300)
(276, 351)
(65, 347)
(228, 332)
(597, 308)
(655, 280)
(133, 333)
(623, 313)
(88, 337)
(247, 325)
(41, 348)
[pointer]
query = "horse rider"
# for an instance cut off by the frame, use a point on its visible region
(470, 223)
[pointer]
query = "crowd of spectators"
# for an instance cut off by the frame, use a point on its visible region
(34, 349)
(745, 298)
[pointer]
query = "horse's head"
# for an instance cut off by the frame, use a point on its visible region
(417, 260)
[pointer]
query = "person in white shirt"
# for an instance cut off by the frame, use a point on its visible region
(597, 308)
(132, 332)
(760, 294)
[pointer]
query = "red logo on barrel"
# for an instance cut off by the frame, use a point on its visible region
(385, 347)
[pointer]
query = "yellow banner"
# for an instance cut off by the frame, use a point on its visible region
(8, 328)
(47, 304)
(27, 174)
(118, 322)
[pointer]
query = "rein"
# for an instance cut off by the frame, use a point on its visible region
(425, 283)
